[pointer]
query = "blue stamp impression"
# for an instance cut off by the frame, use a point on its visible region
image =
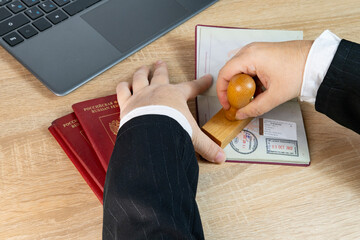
(245, 142)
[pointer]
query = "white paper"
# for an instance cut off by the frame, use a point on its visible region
(279, 129)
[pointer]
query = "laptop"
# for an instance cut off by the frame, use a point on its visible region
(66, 43)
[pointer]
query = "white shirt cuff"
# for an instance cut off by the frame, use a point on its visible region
(317, 64)
(158, 110)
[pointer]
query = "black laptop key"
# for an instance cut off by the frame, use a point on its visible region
(47, 6)
(4, 13)
(16, 6)
(3, 2)
(34, 13)
(42, 24)
(13, 39)
(30, 3)
(78, 6)
(28, 31)
(57, 16)
(12, 23)
(61, 3)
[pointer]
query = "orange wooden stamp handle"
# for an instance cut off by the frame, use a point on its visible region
(239, 93)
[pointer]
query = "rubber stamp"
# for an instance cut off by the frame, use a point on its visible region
(223, 127)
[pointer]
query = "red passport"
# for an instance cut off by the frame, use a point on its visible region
(78, 164)
(74, 137)
(100, 119)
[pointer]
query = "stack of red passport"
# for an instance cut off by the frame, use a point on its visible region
(88, 136)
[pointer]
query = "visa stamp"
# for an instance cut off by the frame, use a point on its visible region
(245, 142)
(282, 147)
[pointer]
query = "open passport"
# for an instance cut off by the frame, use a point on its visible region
(88, 134)
(277, 137)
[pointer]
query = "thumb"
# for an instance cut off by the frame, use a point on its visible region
(207, 148)
(261, 104)
(193, 88)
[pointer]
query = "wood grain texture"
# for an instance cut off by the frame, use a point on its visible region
(42, 196)
(221, 130)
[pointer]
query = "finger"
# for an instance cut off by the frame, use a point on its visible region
(238, 64)
(208, 149)
(261, 104)
(193, 88)
(161, 75)
(222, 95)
(123, 92)
(140, 78)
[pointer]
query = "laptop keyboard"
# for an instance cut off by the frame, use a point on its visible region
(23, 19)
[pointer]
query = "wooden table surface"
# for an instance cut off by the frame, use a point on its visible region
(42, 196)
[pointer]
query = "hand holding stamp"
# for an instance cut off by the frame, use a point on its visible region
(222, 128)
(239, 93)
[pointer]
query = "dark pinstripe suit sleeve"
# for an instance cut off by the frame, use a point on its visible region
(339, 94)
(151, 182)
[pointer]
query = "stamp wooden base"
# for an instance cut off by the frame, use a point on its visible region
(221, 130)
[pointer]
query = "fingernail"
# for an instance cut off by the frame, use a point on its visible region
(159, 62)
(142, 68)
(240, 116)
(252, 69)
(220, 157)
(226, 106)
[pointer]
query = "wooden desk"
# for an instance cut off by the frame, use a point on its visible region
(42, 196)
